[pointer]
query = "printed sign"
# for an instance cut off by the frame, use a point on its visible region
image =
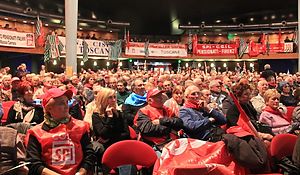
(158, 50)
(95, 47)
(16, 39)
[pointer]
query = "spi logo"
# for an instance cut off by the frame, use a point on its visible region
(63, 151)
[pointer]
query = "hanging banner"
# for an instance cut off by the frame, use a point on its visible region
(95, 47)
(16, 39)
(255, 49)
(216, 49)
(158, 50)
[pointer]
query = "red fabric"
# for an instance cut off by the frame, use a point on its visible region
(254, 49)
(54, 93)
(191, 156)
(289, 113)
(195, 42)
(191, 104)
(282, 145)
(153, 92)
(119, 154)
(61, 147)
(275, 112)
(6, 105)
(127, 40)
(279, 37)
(132, 132)
(153, 114)
(238, 131)
(243, 120)
(41, 38)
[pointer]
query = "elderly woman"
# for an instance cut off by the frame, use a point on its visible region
(176, 101)
(199, 120)
(61, 144)
(271, 114)
(243, 94)
(25, 109)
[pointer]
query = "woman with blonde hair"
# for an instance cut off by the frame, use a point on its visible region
(271, 114)
(176, 101)
(108, 122)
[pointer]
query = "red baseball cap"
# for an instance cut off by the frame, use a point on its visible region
(54, 93)
(153, 92)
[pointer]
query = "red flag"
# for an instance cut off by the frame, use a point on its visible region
(243, 121)
(127, 40)
(263, 42)
(40, 33)
(279, 37)
(195, 42)
(253, 49)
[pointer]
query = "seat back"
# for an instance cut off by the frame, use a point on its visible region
(282, 145)
(289, 113)
(129, 152)
(132, 133)
(6, 105)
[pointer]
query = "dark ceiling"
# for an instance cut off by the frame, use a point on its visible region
(161, 17)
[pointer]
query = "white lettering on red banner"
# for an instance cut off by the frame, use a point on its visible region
(157, 50)
(16, 39)
(216, 49)
(63, 150)
(95, 47)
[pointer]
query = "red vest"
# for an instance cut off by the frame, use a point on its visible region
(155, 113)
(61, 147)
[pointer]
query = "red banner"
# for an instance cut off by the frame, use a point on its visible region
(190, 156)
(216, 49)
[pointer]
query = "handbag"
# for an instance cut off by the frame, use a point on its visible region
(263, 128)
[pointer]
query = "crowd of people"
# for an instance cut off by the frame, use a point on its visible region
(70, 121)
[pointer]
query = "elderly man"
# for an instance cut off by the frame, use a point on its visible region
(157, 122)
(216, 93)
(135, 101)
(258, 101)
(168, 88)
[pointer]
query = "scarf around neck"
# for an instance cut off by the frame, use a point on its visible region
(53, 123)
(192, 104)
(136, 100)
(275, 112)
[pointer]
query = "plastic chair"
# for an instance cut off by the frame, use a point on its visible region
(282, 145)
(6, 105)
(129, 152)
(289, 113)
(132, 132)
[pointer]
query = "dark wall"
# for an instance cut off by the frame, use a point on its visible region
(280, 65)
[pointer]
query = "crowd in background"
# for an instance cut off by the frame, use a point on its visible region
(159, 105)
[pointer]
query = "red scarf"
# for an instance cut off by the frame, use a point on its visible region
(273, 111)
(191, 104)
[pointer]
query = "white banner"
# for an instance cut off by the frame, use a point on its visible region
(95, 47)
(158, 50)
(16, 39)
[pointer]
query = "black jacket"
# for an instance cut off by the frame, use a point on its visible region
(110, 129)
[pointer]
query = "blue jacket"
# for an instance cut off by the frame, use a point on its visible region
(196, 123)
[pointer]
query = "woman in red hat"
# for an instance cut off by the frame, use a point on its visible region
(61, 144)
